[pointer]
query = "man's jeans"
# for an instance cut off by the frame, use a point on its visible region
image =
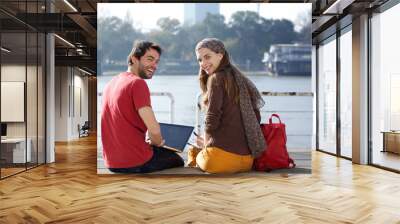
(162, 159)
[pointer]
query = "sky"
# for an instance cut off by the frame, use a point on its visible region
(146, 19)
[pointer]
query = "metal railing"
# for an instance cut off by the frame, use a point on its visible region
(264, 94)
(171, 104)
(165, 94)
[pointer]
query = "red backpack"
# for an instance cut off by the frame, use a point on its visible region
(275, 156)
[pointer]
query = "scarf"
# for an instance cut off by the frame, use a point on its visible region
(249, 100)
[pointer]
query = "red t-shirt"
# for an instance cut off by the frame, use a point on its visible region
(122, 130)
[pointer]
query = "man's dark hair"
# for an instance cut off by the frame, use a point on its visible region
(140, 48)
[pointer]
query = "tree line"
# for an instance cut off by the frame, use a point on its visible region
(246, 36)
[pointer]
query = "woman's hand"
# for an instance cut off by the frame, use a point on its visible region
(200, 141)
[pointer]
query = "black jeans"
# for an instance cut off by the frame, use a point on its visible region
(162, 159)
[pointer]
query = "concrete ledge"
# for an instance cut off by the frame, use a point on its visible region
(302, 160)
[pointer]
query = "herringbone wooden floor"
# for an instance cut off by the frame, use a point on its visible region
(70, 191)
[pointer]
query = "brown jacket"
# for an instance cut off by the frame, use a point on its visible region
(223, 120)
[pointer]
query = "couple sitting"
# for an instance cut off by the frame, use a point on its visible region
(232, 135)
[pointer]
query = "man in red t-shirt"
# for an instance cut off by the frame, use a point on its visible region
(127, 116)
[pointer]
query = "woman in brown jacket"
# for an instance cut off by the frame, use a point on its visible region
(232, 135)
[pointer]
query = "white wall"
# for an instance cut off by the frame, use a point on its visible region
(61, 103)
(14, 73)
(81, 83)
(71, 93)
(33, 126)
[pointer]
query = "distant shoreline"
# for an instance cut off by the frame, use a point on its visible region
(250, 73)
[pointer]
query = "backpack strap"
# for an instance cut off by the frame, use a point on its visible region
(291, 163)
(275, 115)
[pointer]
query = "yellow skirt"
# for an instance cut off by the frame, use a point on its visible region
(216, 160)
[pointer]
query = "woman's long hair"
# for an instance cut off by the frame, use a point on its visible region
(224, 70)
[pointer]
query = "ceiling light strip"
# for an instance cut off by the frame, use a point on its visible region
(5, 49)
(64, 40)
(337, 7)
(70, 5)
(86, 72)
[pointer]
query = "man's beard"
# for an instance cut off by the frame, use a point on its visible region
(142, 72)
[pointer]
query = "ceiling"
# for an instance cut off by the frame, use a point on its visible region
(75, 43)
(329, 15)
